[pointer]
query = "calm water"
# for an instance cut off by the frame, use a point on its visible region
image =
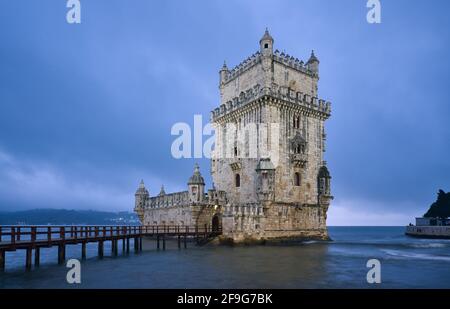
(405, 263)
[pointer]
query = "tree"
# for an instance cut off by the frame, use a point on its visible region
(440, 208)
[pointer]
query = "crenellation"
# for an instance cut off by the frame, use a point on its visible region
(279, 92)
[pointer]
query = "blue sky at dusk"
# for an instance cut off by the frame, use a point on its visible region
(86, 110)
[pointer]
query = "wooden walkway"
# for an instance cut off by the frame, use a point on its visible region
(33, 238)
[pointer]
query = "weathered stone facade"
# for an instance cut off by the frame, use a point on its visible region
(270, 178)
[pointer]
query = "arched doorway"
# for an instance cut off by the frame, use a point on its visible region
(215, 223)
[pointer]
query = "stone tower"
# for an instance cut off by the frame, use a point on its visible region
(270, 140)
(141, 197)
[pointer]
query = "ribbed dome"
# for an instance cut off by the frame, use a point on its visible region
(323, 172)
(142, 190)
(313, 58)
(266, 36)
(162, 191)
(196, 178)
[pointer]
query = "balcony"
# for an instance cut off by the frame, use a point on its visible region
(299, 159)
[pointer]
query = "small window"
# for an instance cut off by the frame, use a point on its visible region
(297, 179)
(266, 45)
(296, 122)
(235, 151)
(238, 180)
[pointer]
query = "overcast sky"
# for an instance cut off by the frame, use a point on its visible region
(86, 110)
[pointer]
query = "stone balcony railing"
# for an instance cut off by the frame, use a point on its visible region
(283, 93)
(250, 209)
(299, 159)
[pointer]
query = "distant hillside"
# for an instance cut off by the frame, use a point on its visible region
(64, 216)
(440, 208)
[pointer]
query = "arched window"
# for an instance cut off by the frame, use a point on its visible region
(297, 179)
(238, 180)
(296, 122)
(299, 149)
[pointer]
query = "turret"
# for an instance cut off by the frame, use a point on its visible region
(266, 44)
(223, 73)
(196, 186)
(141, 196)
(162, 191)
(323, 181)
(266, 50)
(313, 63)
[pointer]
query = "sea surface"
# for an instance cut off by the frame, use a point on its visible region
(405, 263)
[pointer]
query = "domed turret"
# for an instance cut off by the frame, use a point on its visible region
(141, 197)
(266, 44)
(323, 181)
(162, 191)
(196, 178)
(223, 73)
(196, 185)
(313, 63)
(142, 190)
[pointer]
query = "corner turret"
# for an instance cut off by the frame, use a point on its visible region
(196, 185)
(313, 63)
(162, 191)
(141, 196)
(323, 180)
(266, 44)
(224, 72)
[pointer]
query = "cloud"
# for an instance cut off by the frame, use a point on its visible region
(364, 212)
(30, 184)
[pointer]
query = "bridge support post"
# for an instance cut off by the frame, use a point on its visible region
(100, 249)
(136, 244)
(123, 245)
(140, 243)
(164, 241)
(157, 241)
(179, 241)
(28, 258)
(37, 256)
(61, 253)
(128, 244)
(114, 247)
(83, 250)
(2, 260)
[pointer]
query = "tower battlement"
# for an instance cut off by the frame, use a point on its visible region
(268, 69)
(254, 59)
(301, 101)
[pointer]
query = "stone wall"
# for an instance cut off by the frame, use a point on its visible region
(429, 231)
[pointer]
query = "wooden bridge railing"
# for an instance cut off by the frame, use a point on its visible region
(13, 237)
(13, 234)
